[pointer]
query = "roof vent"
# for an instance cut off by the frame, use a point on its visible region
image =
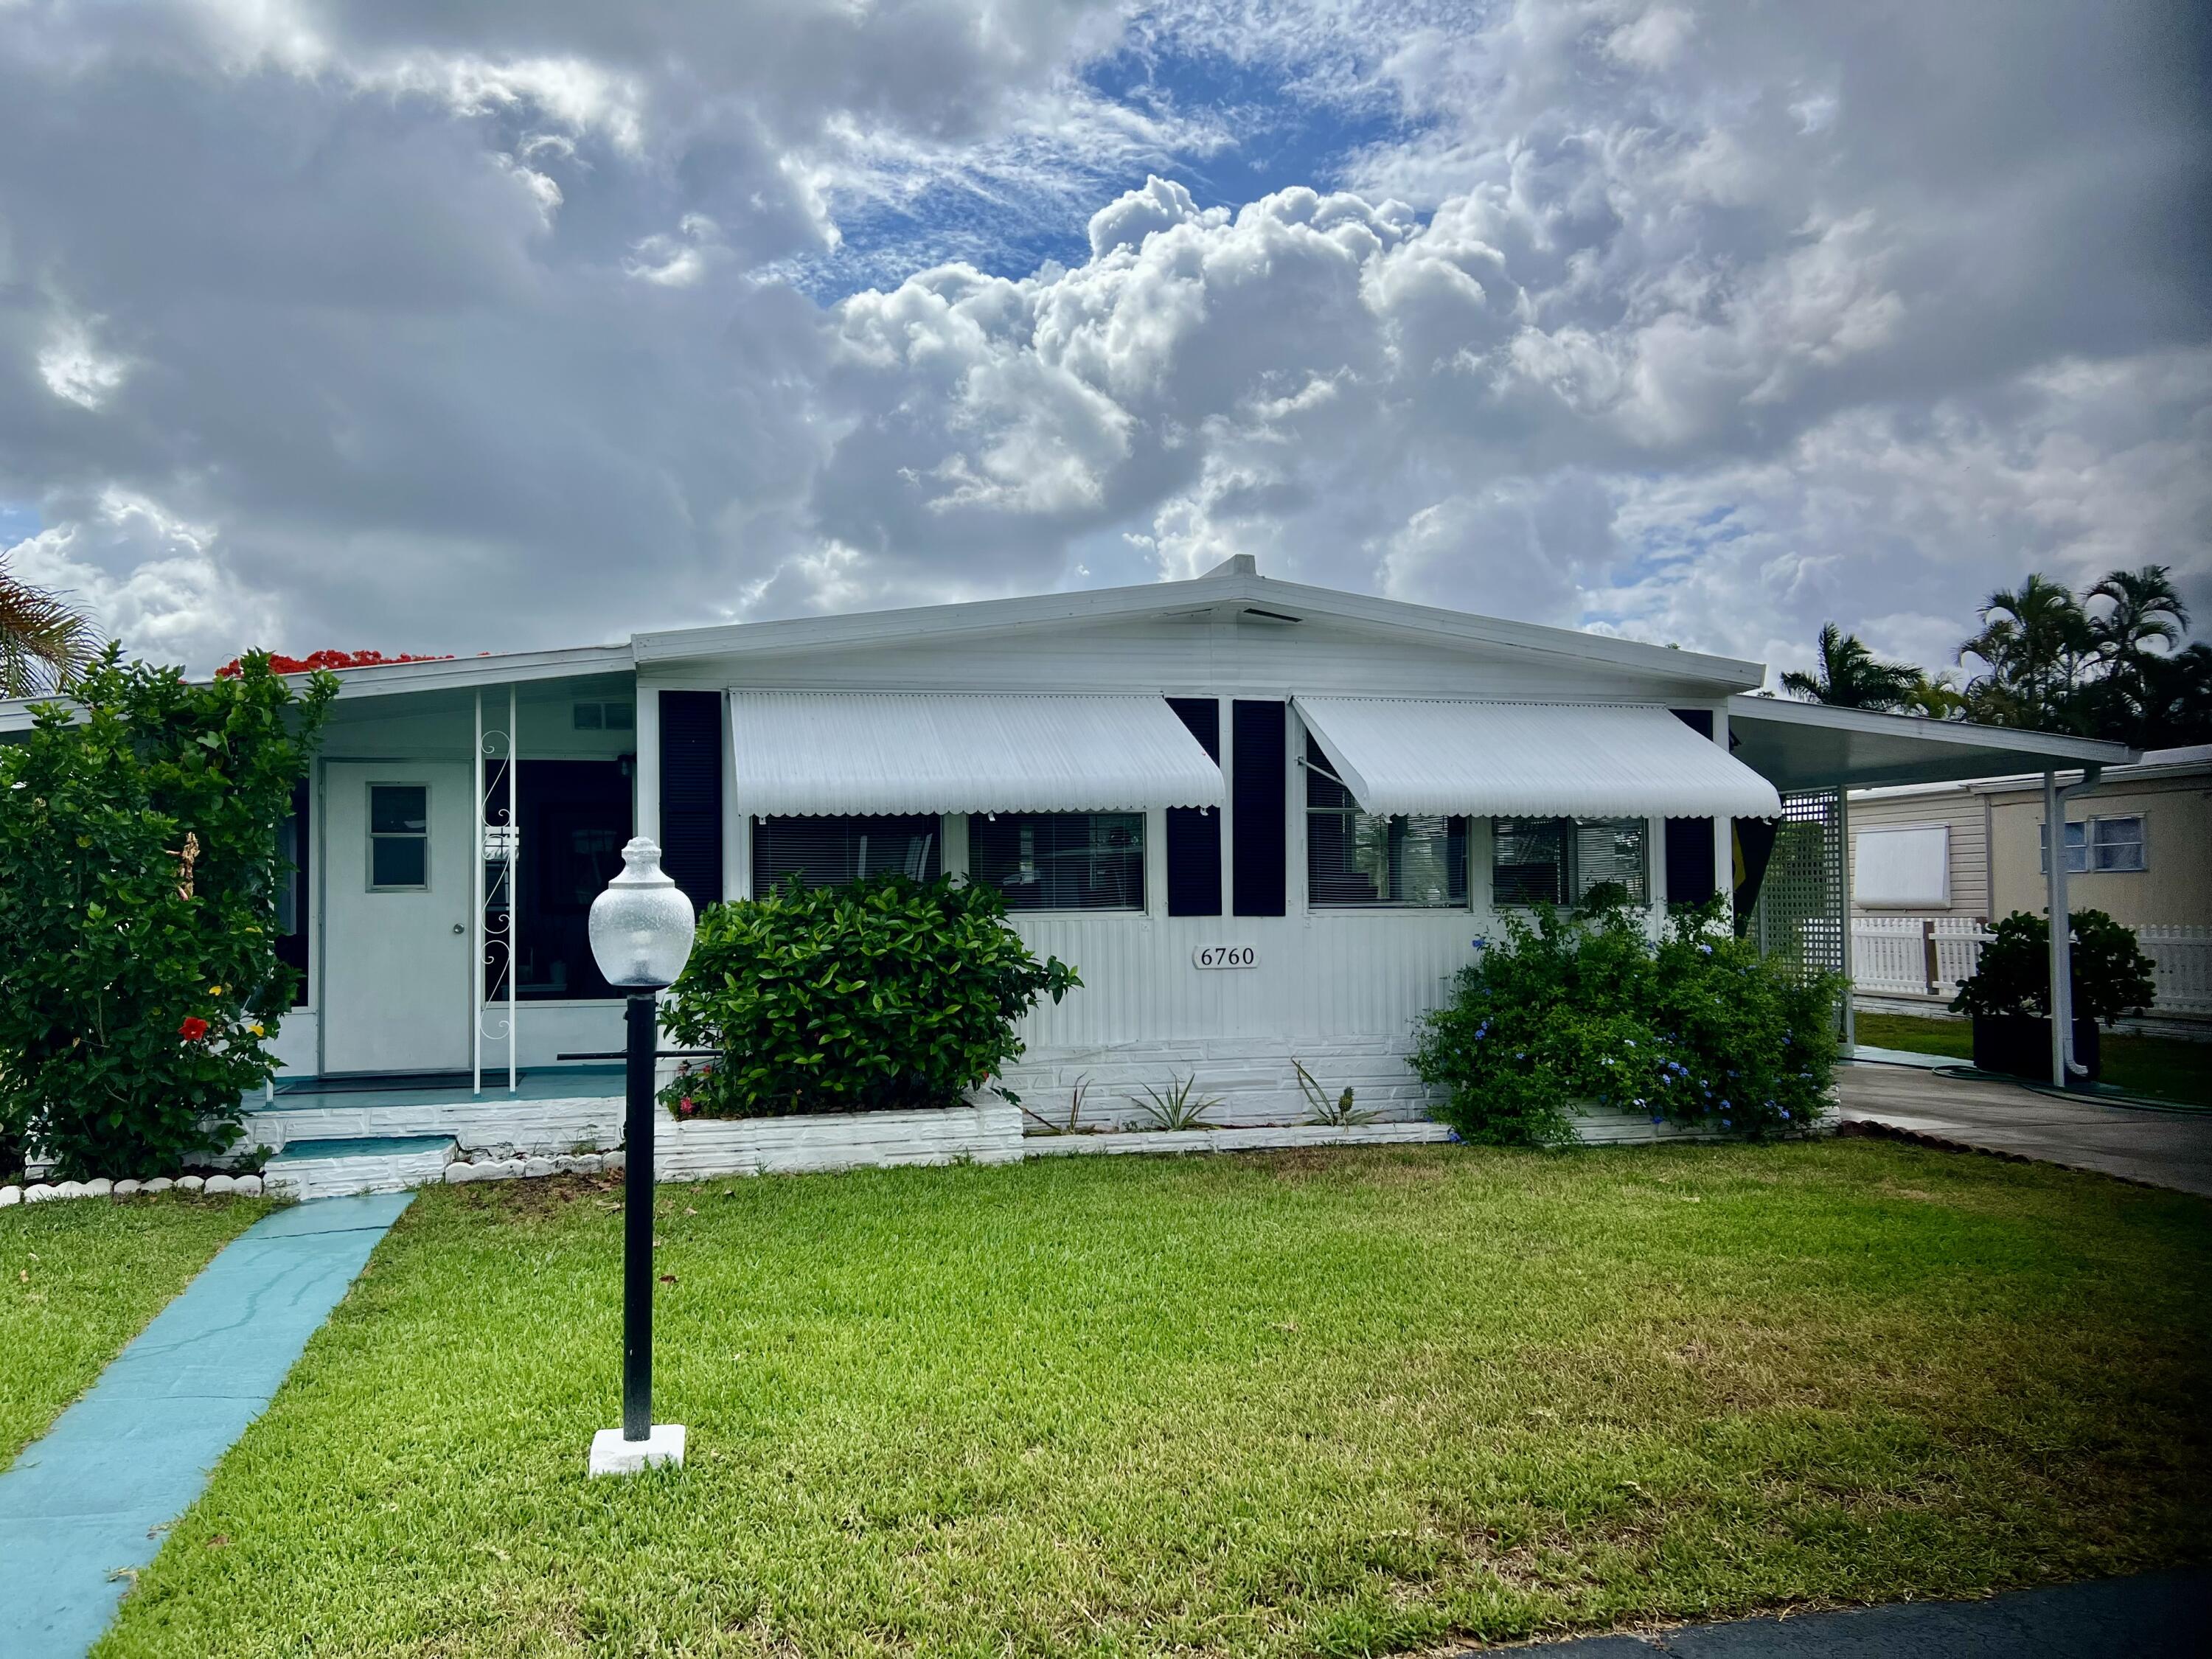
(1240, 564)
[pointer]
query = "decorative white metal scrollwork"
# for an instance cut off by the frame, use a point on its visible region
(499, 836)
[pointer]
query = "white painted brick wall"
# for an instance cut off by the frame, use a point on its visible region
(694, 1150)
(338, 1177)
(1251, 1077)
(547, 1127)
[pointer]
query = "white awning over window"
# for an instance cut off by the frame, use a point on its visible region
(1530, 759)
(866, 751)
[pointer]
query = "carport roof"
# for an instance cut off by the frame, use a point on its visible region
(1809, 746)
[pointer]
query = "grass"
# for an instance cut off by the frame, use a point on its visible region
(79, 1277)
(2171, 1068)
(1332, 1403)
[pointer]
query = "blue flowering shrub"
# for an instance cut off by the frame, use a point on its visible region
(1569, 1011)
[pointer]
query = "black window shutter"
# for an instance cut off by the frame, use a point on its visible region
(1699, 720)
(1689, 860)
(1690, 841)
(1256, 794)
(691, 793)
(1193, 832)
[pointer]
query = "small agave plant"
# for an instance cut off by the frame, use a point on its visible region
(1071, 1124)
(1174, 1108)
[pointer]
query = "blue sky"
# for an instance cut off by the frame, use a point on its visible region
(1253, 125)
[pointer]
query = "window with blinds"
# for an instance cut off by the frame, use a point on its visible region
(829, 851)
(1566, 861)
(1418, 861)
(1061, 860)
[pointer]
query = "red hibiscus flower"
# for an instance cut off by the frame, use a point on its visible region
(194, 1028)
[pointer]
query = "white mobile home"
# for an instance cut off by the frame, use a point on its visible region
(1264, 822)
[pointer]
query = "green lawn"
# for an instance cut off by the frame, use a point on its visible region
(2167, 1067)
(79, 1277)
(1334, 1403)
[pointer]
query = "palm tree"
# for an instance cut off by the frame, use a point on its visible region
(2034, 640)
(43, 642)
(2176, 706)
(1936, 696)
(2146, 611)
(1851, 676)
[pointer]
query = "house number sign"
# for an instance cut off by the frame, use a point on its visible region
(1226, 955)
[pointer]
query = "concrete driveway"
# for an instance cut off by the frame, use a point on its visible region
(2165, 1149)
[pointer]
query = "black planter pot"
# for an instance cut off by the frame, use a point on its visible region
(2018, 1045)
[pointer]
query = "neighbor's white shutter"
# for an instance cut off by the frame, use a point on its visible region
(1902, 867)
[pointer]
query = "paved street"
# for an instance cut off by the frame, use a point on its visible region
(2153, 1617)
(2167, 1149)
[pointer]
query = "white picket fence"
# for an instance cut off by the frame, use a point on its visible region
(1928, 956)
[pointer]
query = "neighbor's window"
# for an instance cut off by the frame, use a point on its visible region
(829, 851)
(2116, 844)
(1567, 860)
(1061, 860)
(2106, 844)
(398, 837)
(1354, 858)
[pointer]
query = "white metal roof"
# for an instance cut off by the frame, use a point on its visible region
(1532, 760)
(1234, 588)
(798, 752)
(1810, 745)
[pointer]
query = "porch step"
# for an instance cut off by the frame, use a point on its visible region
(339, 1169)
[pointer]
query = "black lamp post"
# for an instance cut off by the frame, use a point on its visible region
(641, 930)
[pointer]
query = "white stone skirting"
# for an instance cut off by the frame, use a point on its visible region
(1254, 1138)
(215, 1185)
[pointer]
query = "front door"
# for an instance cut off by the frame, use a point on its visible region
(398, 887)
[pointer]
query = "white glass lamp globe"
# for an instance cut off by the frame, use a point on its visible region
(642, 926)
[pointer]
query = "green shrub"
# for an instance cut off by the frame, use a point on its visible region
(138, 884)
(882, 994)
(1574, 1009)
(2012, 976)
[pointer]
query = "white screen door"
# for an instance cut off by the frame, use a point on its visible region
(396, 938)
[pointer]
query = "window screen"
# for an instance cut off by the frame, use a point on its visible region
(2077, 847)
(1567, 860)
(398, 837)
(1061, 860)
(2117, 843)
(1354, 858)
(829, 851)
(294, 854)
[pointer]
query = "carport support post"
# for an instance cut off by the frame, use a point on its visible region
(2060, 918)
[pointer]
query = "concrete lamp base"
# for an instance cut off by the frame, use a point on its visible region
(612, 1454)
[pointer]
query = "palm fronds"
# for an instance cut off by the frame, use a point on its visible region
(45, 641)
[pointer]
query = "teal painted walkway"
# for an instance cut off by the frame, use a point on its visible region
(85, 1507)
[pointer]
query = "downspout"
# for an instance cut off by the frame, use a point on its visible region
(2063, 1068)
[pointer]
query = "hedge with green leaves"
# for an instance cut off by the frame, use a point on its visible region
(1574, 1011)
(138, 883)
(880, 996)
(2013, 974)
